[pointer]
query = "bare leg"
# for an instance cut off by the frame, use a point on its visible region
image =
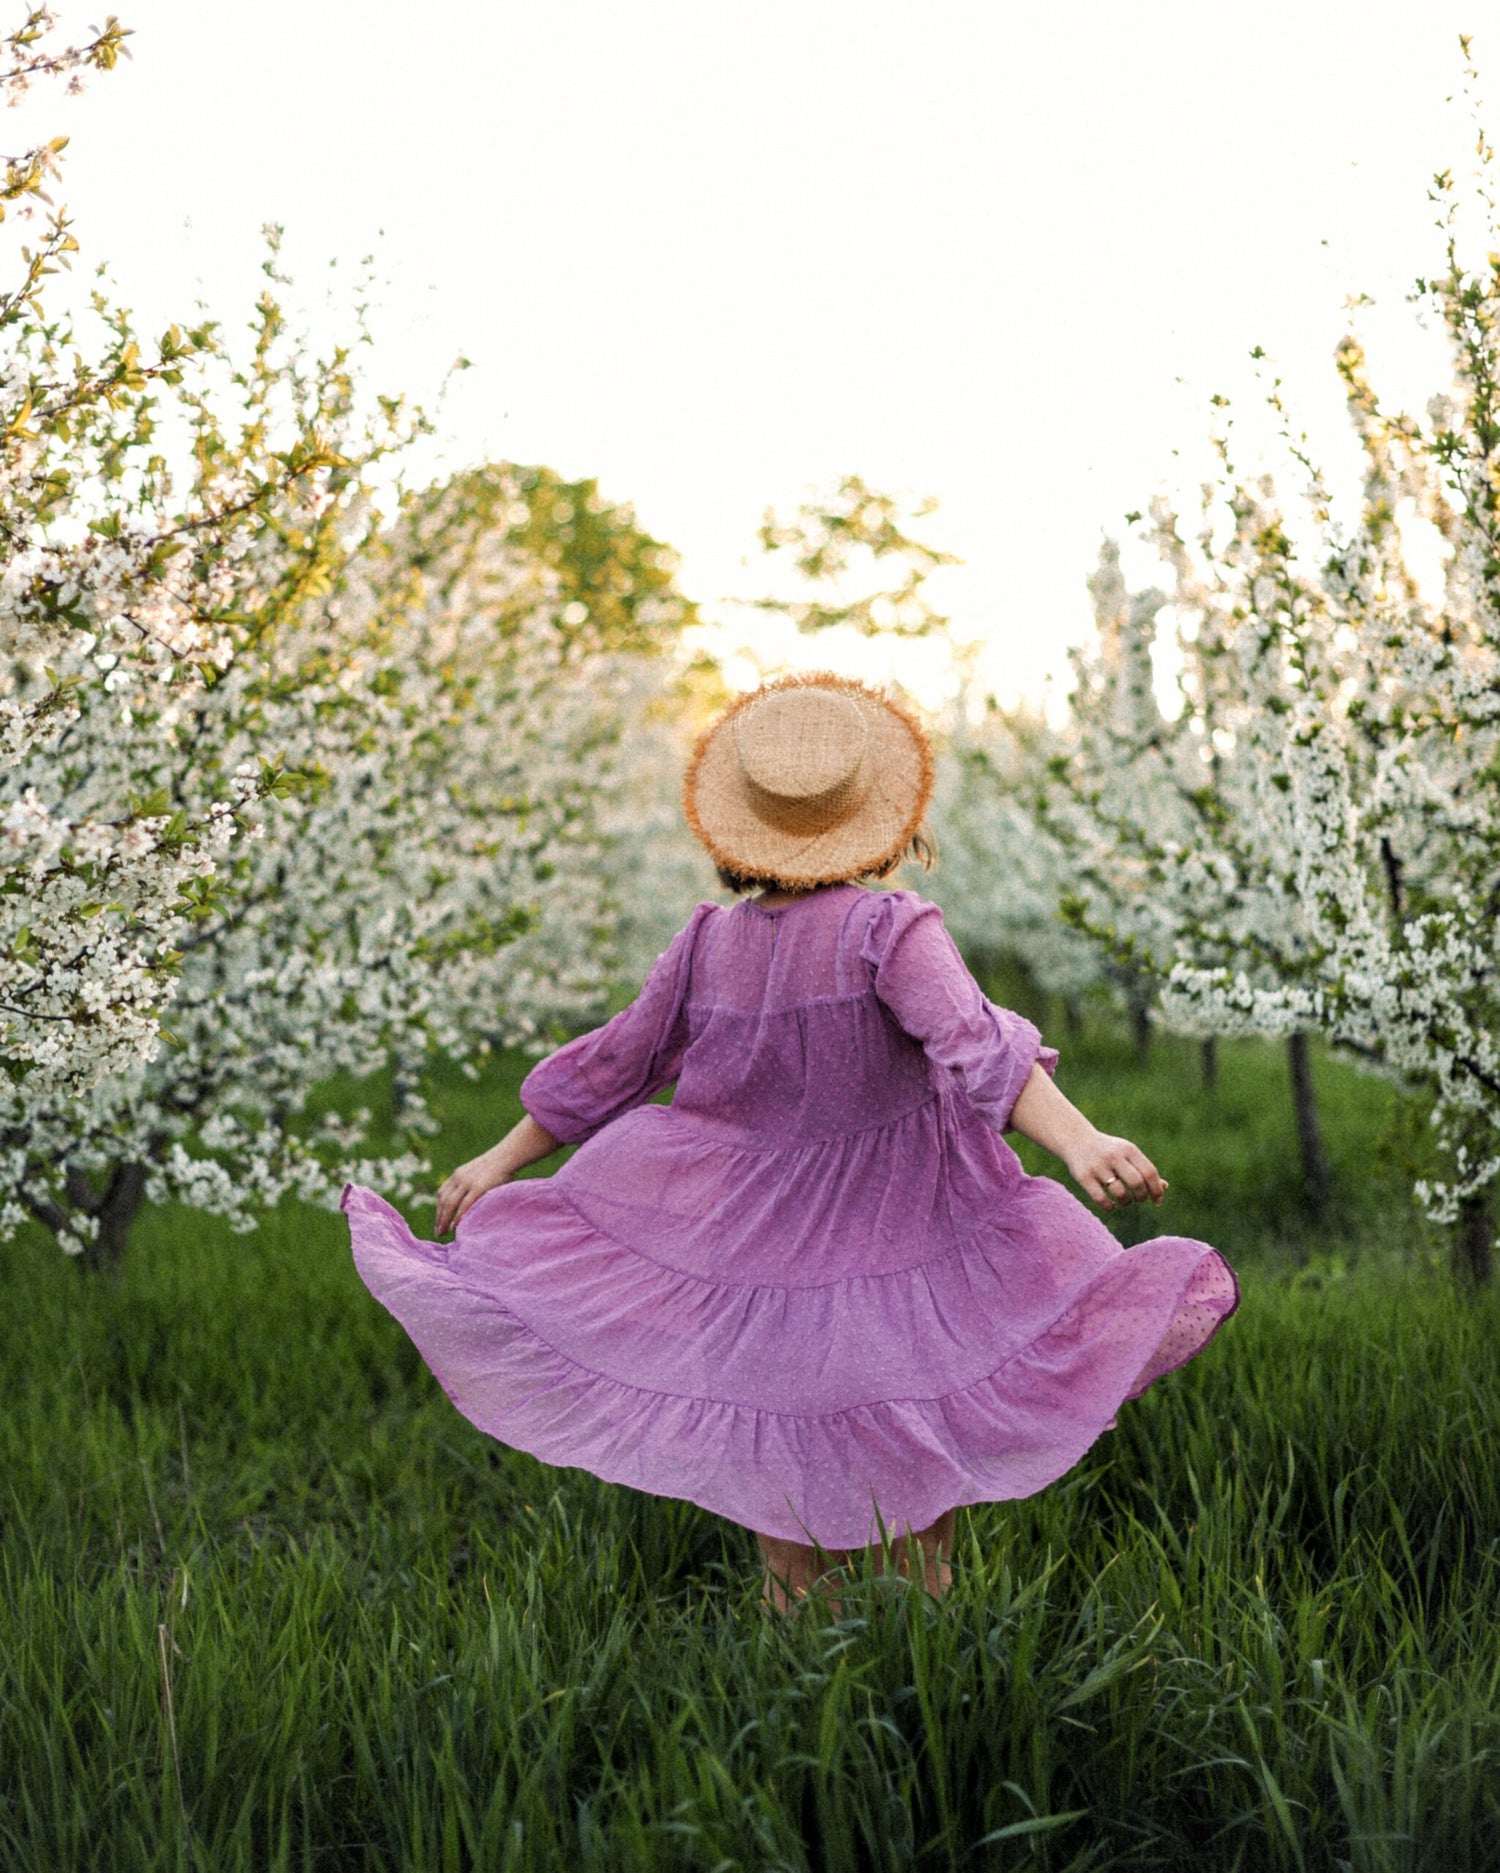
(792, 1569)
(934, 1547)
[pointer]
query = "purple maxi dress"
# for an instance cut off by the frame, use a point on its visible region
(819, 1283)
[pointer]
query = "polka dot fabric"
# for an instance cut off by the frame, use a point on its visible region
(818, 1285)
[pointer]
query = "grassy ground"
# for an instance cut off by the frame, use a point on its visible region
(269, 1602)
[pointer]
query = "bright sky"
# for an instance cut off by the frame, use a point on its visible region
(718, 255)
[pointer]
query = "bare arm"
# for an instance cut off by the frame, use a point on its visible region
(1111, 1171)
(523, 1144)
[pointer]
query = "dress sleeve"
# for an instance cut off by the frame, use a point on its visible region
(576, 1091)
(926, 985)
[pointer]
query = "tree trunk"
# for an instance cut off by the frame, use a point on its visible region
(1140, 1027)
(1072, 1018)
(1208, 1055)
(116, 1212)
(1315, 1176)
(1473, 1242)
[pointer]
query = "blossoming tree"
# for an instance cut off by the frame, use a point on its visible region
(1147, 805)
(309, 780)
(117, 595)
(1352, 839)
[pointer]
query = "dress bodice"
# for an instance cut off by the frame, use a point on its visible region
(832, 1015)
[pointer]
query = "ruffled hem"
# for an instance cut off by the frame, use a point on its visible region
(830, 1476)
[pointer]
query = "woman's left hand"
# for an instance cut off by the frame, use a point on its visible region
(464, 1187)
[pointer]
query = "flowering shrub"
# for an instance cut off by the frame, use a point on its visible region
(653, 869)
(1001, 874)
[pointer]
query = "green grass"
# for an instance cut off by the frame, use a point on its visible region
(267, 1601)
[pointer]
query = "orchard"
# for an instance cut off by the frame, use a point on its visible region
(335, 793)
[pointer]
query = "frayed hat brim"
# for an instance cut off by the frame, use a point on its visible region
(871, 839)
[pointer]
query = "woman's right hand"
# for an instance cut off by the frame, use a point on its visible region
(1113, 1172)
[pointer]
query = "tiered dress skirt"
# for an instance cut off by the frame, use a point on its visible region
(816, 1294)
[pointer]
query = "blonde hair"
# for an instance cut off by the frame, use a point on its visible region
(922, 849)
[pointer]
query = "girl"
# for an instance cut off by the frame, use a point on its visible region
(817, 1293)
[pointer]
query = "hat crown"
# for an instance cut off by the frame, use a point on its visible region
(811, 779)
(801, 744)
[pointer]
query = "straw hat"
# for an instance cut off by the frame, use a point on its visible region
(809, 779)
